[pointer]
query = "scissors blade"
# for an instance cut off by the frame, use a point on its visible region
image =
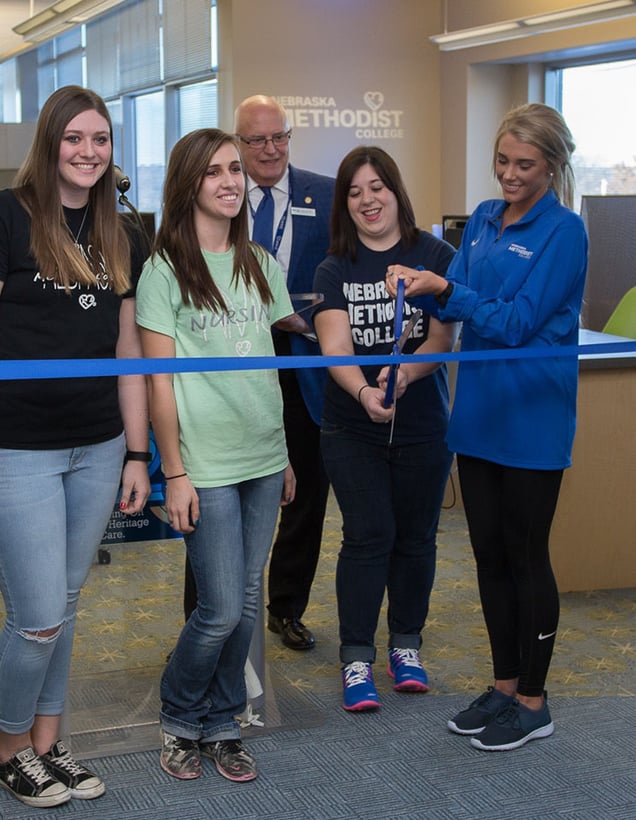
(397, 349)
(408, 329)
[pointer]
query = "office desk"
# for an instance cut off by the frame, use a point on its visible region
(593, 542)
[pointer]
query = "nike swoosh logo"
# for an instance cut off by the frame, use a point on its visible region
(474, 242)
(542, 637)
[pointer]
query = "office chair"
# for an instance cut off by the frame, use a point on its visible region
(622, 322)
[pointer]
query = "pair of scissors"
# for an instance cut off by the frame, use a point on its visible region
(401, 337)
(397, 334)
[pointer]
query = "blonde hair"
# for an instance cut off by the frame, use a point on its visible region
(544, 127)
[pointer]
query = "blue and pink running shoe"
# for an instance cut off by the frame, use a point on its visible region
(405, 667)
(359, 690)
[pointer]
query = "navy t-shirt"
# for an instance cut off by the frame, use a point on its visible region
(359, 288)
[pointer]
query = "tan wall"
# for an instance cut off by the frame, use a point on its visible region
(15, 140)
(443, 108)
(364, 61)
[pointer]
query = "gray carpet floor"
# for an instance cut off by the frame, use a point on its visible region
(398, 763)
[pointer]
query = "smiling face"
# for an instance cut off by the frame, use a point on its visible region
(85, 152)
(373, 209)
(522, 172)
(266, 164)
(221, 192)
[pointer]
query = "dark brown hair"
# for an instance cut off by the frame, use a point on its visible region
(344, 236)
(176, 241)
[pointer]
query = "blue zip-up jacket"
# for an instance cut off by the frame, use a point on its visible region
(521, 289)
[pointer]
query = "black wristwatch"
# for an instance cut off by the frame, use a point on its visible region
(443, 297)
(138, 455)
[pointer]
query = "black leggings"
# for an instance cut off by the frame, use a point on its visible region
(509, 513)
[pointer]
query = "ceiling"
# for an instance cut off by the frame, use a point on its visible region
(13, 12)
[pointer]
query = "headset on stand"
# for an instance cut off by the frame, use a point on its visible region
(123, 184)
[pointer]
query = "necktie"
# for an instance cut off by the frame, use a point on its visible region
(263, 232)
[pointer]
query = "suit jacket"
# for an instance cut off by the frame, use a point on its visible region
(310, 241)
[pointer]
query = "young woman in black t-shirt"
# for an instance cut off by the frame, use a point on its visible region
(65, 293)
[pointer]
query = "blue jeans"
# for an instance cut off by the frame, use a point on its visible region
(203, 685)
(54, 509)
(390, 498)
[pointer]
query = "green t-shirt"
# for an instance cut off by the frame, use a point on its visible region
(230, 422)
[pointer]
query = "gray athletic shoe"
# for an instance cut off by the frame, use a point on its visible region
(231, 759)
(514, 726)
(481, 711)
(180, 756)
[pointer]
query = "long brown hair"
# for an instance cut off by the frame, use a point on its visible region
(37, 184)
(176, 241)
(344, 236)
(543, 127)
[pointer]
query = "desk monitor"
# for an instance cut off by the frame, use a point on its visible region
(453, 228)
(611, 269)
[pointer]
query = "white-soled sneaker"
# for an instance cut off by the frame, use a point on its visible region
(28, 780)
(514, 726)
(80, 781)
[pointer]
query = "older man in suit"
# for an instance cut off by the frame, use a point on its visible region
(298, 236)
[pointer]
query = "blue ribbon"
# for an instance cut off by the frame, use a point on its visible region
(75, 368)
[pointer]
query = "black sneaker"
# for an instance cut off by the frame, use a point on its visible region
(514, 726)
(80, 781)
(180, 756)
(481, 711)
(231, 759)
(26, 777)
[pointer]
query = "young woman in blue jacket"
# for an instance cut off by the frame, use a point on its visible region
(516, 282)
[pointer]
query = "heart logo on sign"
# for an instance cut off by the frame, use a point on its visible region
(87, 300)
(374, 100)
(243, 347)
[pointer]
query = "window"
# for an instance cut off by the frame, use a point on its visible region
(198, 106)
(600, 108)
(153, 61)
(150, 151)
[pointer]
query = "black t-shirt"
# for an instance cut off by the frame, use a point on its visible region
(40, 320)
(359, 288)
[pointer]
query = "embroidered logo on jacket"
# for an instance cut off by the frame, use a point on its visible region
(522, 253)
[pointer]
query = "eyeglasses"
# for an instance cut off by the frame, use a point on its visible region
(256, 143)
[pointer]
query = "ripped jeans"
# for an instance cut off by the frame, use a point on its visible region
(54, 509)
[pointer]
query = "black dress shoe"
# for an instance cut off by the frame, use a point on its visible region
(293, 633)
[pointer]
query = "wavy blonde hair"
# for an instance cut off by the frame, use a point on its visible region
(544, 127)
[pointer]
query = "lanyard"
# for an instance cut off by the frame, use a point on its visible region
(280, 230)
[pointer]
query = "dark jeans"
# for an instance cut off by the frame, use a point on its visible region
(509, 513)
(390, 499)
(296, 548)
